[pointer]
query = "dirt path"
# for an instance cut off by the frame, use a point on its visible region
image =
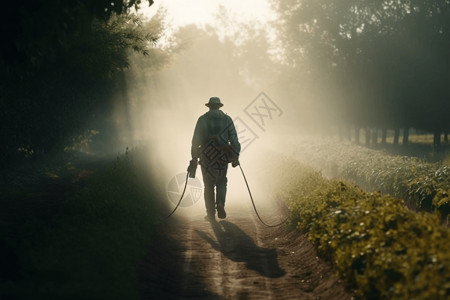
(235, 258)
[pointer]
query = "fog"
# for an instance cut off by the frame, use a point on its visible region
(317, 78)
(163, 109)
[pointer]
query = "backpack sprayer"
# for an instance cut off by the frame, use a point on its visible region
(192, 169)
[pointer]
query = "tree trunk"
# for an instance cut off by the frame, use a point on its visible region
(405, 136)
(437, 140)
(374, 136)
(357, 134)
(367, 131)
(396, 135)
(383, 136)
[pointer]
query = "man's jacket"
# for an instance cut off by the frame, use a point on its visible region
(214, 124)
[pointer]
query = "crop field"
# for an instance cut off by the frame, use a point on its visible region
(424, 186)
(383, 249)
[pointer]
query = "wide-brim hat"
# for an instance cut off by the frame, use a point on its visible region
(214, 101)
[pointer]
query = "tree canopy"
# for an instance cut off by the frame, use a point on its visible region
(375, 63)
(60, 67)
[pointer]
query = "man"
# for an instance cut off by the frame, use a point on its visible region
(215, 143)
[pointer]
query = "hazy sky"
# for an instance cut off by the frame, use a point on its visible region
(201, 12)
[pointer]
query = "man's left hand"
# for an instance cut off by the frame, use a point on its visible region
(235, 163)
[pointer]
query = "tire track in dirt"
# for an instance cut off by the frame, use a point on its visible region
(235, 258)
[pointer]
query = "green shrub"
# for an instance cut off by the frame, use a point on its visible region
(380, 247)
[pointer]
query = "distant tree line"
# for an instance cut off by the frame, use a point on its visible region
(375, 64)
(61, 62)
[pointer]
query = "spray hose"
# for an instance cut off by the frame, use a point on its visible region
(182, 195)
(249, 192)
(254, 206)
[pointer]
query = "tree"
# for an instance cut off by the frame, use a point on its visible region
(375, 63)
(61, 72)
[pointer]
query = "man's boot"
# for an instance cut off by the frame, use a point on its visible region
(221, 211)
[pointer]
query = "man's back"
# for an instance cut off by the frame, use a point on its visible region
(215, 124)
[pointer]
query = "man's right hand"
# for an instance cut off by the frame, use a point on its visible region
(192, 167)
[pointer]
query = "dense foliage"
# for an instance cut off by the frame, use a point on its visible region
(382, 249)
(423, 185)
(35, 29)
(60, 69)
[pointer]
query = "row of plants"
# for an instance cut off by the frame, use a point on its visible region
(380, 247)
(91, 246)
(423, 185)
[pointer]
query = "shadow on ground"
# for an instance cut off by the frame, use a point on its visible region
(235, 244)
(161, 274)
